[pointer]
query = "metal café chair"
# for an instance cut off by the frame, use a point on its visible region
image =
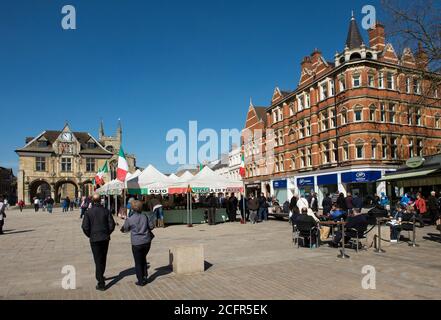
(360, 234)
(305, 231)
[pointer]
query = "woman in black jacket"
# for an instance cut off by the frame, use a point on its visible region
(327, 204)
(341, 203)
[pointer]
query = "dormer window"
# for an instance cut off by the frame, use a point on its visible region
(369, 55)
(91, 145)
(42, 144)
(355, 56)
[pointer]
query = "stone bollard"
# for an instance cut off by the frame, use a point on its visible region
(187, 259)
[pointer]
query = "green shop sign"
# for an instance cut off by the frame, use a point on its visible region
(415, 162)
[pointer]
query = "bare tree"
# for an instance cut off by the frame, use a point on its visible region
(416, 25)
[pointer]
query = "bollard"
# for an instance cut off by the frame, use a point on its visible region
(378, 249)
(342, 254)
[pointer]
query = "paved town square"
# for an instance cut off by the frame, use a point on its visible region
(252, 262)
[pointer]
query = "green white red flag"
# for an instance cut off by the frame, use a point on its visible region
(123, 166)
(242, 167)
(99, 178)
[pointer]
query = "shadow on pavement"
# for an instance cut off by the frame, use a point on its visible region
(159, 272)
(6, 232)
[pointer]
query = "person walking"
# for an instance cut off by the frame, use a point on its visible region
(50, 204)
(158, 211)
(140, 228)
(98, 225)
(314, 203)
(432, 207)
(36, 204)
(421, 208)
(341, 203)
(83, 206)
(212, 203)
(253, 205)
(327, 204)
(293, 209)
(349, 204)
(233, 203)
(21, 205)
(357, 202)
(262, 208)
(2, 214)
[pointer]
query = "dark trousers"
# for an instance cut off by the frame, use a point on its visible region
(140, 256)
(2, 223)
(232, 216)
(211, 216)
(36, 207)
(99, 250)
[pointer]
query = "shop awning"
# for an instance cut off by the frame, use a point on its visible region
(408, 175)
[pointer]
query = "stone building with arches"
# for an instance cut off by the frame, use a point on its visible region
(64, 163)
(349, 121)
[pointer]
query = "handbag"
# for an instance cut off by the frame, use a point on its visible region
(324, 233)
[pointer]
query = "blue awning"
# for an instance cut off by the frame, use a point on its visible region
(305, 181)
(327, 179)
(360, 176)
(280, 184)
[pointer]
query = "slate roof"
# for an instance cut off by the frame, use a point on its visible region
(354, 39)
(52, 136)
(261, 113)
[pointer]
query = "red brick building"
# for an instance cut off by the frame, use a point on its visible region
(348, 122)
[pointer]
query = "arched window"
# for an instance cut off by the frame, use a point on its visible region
(342, 60)
(355, 56)
(372, 111)
(369, 55)
(359, 149)
(358, 114)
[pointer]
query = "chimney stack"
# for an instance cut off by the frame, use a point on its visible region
(377, 38)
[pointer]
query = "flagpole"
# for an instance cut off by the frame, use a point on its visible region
(244, 206)
(190, 225)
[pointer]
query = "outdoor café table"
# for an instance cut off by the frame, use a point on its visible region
(342, 224)
(380, 220)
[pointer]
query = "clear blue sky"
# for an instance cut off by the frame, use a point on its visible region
(154, 64)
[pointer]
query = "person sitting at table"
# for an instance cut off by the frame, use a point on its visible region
(358, 222)
(336, 213)
(306, 223)
(395, 223)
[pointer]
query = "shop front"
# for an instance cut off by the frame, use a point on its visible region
(417, 175)
(281, 190)
(305, 186)
(363, 183)
(253, 188)
(327, 184)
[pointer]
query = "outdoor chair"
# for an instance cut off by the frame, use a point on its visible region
(305, 230)
(357, 235)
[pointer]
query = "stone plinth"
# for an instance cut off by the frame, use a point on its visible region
(187, 259)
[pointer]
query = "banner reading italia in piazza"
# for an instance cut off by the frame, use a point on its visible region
(195, 190)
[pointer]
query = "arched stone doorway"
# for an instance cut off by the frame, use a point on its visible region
(87, 189)
(40, 189)
(65, 189)
(113, 166)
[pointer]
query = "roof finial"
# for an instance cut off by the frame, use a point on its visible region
(352, 15)
(251, 101)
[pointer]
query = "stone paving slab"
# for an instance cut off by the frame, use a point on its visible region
(251, 262)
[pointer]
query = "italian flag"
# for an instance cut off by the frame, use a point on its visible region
(242, 167)
(99, 178)
(123, 166)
